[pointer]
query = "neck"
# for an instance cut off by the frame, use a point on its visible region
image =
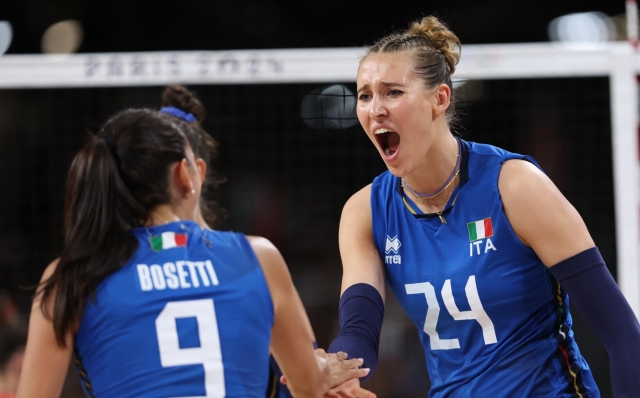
(162, 214)
(438, 166)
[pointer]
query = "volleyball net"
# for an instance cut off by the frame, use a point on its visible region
(503, 102)
(575, 110)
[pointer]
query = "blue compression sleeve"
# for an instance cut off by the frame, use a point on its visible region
(361, 313)
(598, 298)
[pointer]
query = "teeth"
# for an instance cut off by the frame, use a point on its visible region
(382, 131)
(388, 152)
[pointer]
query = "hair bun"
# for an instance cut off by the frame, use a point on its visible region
(178, 96)
(443, 39)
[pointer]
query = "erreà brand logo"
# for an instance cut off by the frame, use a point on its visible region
(392, 245)
(479, 230)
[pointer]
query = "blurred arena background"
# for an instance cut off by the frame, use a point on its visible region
(292, 163)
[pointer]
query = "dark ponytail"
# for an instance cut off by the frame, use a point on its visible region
(114, 182)
(203, 145)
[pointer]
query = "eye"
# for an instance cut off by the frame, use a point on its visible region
(364, 97)
(395, 93)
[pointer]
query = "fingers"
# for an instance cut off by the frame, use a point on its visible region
(340, 394)
(355, 393)
(320, 352)
(353, 363)
(362, 393)
(357, 373)
(341, 355)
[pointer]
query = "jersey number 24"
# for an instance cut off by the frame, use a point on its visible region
(477, 312)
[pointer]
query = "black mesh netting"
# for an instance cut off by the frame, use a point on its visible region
(288, 182)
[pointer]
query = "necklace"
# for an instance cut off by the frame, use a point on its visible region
(438, 213)
(424, 197)
(452, 176)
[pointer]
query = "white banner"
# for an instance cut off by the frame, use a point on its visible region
(286, 66)
(191, 67)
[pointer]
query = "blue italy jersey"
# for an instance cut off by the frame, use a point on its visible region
(492, 320)
(189, 315)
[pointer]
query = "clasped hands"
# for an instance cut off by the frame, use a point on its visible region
(345, 375)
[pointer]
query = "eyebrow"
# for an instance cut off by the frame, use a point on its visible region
(386, 84)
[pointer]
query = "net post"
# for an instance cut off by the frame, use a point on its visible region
(626, 169)
(632, 22)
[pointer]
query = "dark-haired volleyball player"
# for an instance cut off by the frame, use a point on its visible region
(480, 248)
(150, 303)
(187, 109)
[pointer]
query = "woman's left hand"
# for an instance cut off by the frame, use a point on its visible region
(349, 389)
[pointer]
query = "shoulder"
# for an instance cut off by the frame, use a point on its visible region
(262, 246)
(274, 268)
(51, 268)
(525, 190)
(269, 257)
(521, 178)
(231, 240)
(356, 220)
(357, 210)
(359, 200)
(540, 215)
(484, 149)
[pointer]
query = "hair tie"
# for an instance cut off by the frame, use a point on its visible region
(179, 113)
(111, 144)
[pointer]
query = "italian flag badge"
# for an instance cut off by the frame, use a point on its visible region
(480, 229)
(167, 240)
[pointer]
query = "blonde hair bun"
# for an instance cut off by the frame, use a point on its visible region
(443, 39)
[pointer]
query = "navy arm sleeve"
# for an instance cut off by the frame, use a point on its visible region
(361, 313)
(598, 298)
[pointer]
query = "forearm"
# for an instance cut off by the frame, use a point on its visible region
(597, 297)
(361, 314)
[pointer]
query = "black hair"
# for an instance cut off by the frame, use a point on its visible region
(114, 182)
(202, 143)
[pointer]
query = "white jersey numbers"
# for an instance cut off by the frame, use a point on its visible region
(476, 313)
(208, 354)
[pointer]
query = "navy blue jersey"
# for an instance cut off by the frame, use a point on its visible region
(492, 320)
(189, 315)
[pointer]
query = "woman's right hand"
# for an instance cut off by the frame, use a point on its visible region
(341, 368)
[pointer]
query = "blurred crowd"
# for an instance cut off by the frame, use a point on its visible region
(13, 338)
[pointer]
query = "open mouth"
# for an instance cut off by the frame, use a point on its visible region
(388, 140)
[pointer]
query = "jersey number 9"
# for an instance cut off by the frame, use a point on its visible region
(208, 354)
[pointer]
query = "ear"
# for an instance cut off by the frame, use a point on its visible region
(201, 166)
(441, 99)
(182, 179)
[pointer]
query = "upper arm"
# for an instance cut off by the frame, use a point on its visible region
(361, 261)
(540, 215)
(45, 363)
(292, 337)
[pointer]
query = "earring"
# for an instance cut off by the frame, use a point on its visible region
(193, 191)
